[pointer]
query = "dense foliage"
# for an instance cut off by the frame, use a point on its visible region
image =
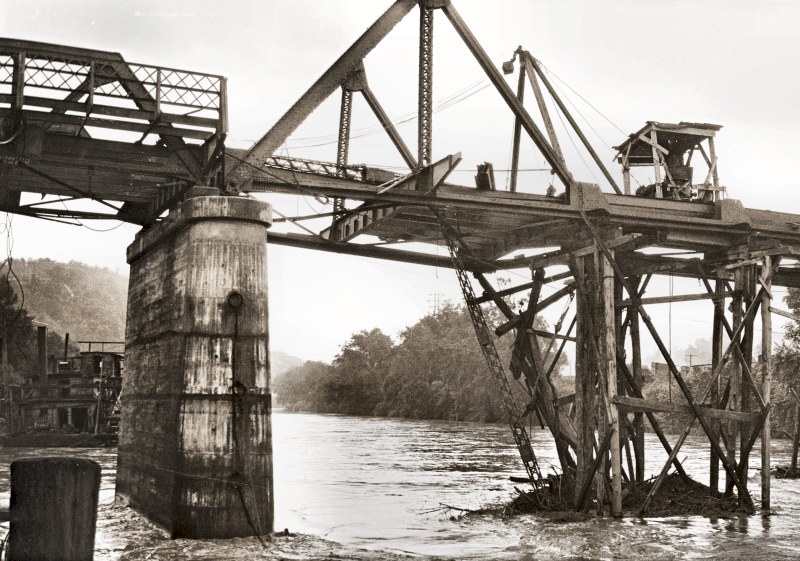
(785, 373)
(18, 333)
(86, 302)
(435, 371)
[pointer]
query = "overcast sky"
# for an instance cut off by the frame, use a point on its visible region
(732, 63)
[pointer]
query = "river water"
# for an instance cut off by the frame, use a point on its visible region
(368, 488)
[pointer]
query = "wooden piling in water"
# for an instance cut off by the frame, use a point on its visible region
(766, 383)
(796, 439)
(53, 509)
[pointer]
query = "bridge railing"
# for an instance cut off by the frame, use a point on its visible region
(79, 88)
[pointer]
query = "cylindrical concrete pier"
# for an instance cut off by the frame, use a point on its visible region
(195, 451)
(53, 509)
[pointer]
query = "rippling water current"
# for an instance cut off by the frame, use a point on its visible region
(365, 488)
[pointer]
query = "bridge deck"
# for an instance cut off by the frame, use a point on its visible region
(498, 223)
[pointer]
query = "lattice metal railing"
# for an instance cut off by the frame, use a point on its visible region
(102, 84)
(329, 169)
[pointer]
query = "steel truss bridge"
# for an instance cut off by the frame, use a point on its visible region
(81, 124)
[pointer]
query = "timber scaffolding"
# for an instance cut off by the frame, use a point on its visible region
(738, 254)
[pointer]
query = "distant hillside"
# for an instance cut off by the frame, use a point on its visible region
(280, 362)
(86, 302)
(89, 302)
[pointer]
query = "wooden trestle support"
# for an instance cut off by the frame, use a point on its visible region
(599, 430)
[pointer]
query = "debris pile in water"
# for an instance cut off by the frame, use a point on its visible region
(680, 496)
(786, 472)
(676, 496)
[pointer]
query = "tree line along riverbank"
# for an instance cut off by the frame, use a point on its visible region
(436, 371)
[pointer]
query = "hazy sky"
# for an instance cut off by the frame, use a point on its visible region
(733, 63)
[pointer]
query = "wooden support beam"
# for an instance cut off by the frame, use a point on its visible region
(495, 296)
(627, 432)
(676, 298)
(716, 356)
(638, 377)
(586, 485)
(488, 296)
(550, 335)
(517, 134)
(561, 347)
(587, 360)
(609, 348)
(730, 468)
(766, 381)
(784, 313)
(748, 446)
(737, 348)
(626, 170)
(747, 278)
(656, 163)
(635, 389)
(636, 404)
(561, 257)
(528, 359)
(714, 172)
(537, 92)
(566, 400)
(796, 439)
(545, 303)
(526, 349)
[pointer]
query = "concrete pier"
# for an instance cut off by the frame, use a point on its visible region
(195, 449)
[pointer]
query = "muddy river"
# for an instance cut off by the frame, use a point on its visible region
(367, 488)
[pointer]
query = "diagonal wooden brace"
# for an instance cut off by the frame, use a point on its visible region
(729, 467)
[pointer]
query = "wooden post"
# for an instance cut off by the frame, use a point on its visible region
(53, 509)
(626, 171)
(627, 431)
(609, 345)
(714, 173)
(656, 165)
(735, 371)
(796, 440)
(517, 132)
(584, 382)
(749, 282)
(716, 355)
(638, 377)
(537, 92)
(766, 382)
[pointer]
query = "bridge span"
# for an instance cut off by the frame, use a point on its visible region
(147, 145)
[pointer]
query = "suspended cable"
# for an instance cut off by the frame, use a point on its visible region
(580, 96)
(378, 129)
(574, 145)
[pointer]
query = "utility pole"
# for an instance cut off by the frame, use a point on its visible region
(435, 299)
(690, 356)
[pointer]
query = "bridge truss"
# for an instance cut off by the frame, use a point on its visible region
(63, 110)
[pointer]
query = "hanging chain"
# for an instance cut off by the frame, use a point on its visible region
(425, 109)
(486, 341)
(343, 146)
